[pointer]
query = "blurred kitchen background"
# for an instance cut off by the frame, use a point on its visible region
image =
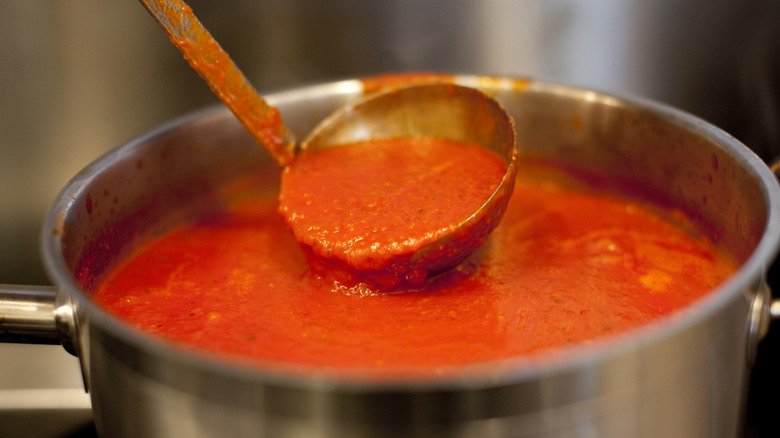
(79, 77)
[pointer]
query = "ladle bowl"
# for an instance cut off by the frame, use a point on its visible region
(437, 110)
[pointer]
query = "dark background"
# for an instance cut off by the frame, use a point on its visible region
(79, 77)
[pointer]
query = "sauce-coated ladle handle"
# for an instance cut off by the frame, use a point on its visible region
(225, 79)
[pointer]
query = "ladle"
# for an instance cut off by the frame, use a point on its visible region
(433, 110)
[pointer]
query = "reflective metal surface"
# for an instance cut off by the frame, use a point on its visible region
(28, 315)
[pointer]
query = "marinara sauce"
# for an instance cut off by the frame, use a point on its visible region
(566, 266)
(361, 212)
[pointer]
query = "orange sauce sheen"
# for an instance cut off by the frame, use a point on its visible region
(389, 81)
(566, 266)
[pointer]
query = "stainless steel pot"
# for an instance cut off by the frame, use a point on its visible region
(683, 376)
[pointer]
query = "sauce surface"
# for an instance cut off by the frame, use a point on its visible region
(365, 209)
(566, 266)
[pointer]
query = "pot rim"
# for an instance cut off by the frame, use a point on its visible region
(501, 372)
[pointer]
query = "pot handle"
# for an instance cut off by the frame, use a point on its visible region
(774, 309)
(774, 304)
(37, 315)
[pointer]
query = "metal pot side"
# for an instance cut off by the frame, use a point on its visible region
(683, 376)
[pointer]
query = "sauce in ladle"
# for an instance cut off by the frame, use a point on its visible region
(362, 211)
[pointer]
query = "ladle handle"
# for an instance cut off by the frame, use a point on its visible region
(225, 79)
(36, 315)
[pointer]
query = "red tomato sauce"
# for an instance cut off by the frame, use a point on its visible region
(566, 266)
(362, 210)
(389, 81)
